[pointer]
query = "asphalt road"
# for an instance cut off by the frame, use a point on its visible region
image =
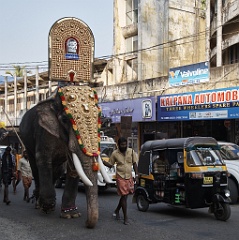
(20, 220)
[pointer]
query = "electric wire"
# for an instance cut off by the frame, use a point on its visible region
(175, 42)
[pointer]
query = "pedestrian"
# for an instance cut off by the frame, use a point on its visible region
(16, 179)
(0, 171)
(7, 172)
(25, 173)
(124, 158)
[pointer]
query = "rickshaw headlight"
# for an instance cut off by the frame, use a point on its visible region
(197, 175)
(227, 193)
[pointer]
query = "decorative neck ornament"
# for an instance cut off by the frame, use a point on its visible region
(81, 106)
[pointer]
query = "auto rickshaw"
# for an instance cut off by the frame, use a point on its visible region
(186, 172)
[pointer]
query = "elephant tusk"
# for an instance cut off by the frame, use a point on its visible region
(80, 171)
(103, 171)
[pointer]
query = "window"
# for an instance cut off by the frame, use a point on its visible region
(204, 157)
(234, 54)
(131, 11)
(231, 55)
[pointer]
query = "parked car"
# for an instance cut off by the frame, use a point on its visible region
(230, 155)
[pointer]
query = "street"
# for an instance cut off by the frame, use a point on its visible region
(20, 220)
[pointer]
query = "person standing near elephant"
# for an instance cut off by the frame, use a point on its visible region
(124, 158)
(7, 172)
(25, 172)
(15, 179)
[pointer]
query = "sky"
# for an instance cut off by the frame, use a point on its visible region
(25, 25)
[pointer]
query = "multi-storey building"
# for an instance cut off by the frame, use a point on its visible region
(224, 32)
(156, 40)
(153, 39)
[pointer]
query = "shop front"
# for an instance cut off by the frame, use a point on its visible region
(212, 113)
(141, 111)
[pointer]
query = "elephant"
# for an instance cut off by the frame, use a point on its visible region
(65, 128)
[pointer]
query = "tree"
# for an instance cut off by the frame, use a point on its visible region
(18, 70)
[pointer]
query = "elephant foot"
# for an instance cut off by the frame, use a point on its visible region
(68, 213)
(37, 205)
(47, 208)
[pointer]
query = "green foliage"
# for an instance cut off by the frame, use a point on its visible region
(18, 71)
(203, 3)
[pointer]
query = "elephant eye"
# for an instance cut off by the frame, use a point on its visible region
(64, 119)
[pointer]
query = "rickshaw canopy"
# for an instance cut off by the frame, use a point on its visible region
(175, 143)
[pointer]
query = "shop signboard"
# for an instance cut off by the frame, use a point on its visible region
(141, 109)
(190, 74)
(210, 104)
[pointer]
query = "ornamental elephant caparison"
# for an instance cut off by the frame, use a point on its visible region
(63, 128)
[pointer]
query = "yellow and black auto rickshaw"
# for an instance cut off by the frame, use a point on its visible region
(186, 172)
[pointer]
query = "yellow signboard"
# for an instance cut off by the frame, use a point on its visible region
(207, 180)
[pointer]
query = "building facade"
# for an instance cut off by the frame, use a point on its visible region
(153, 42)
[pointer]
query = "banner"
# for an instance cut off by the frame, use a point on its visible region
(211, 104)
(191, 74)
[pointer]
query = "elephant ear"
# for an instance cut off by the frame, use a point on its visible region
(47, 113)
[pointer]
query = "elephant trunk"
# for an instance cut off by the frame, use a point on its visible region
(89, 178)
(91, 197)
(92, 207)
(80, 170)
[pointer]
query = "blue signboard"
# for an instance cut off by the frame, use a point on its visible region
(141, 109)
(191, 74)
(211, 104)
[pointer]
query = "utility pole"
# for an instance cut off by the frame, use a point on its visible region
(6, 92)
(25, 90)
(15, 99)
(37, 85)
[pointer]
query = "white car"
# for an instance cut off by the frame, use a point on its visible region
(107, 146)
(230, 154)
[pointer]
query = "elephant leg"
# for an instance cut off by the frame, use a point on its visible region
(36, 180)
(68, 207)
(47, 194)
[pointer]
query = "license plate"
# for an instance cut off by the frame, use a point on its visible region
(207, 180)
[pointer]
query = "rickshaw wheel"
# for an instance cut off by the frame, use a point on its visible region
(142, 203)
(223, 211)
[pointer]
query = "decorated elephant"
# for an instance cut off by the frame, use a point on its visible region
(65, 127)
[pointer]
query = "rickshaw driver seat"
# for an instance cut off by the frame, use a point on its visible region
(159, 166)
(159, 172)
(159, 163)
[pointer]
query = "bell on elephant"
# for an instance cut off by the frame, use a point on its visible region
(95, 166)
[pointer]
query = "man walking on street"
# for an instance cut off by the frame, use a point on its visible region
(25, 172)
(124, 158)
(7, 172)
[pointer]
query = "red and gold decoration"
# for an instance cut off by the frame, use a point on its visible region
(71, 56)
(81, 105)
(71, 51)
